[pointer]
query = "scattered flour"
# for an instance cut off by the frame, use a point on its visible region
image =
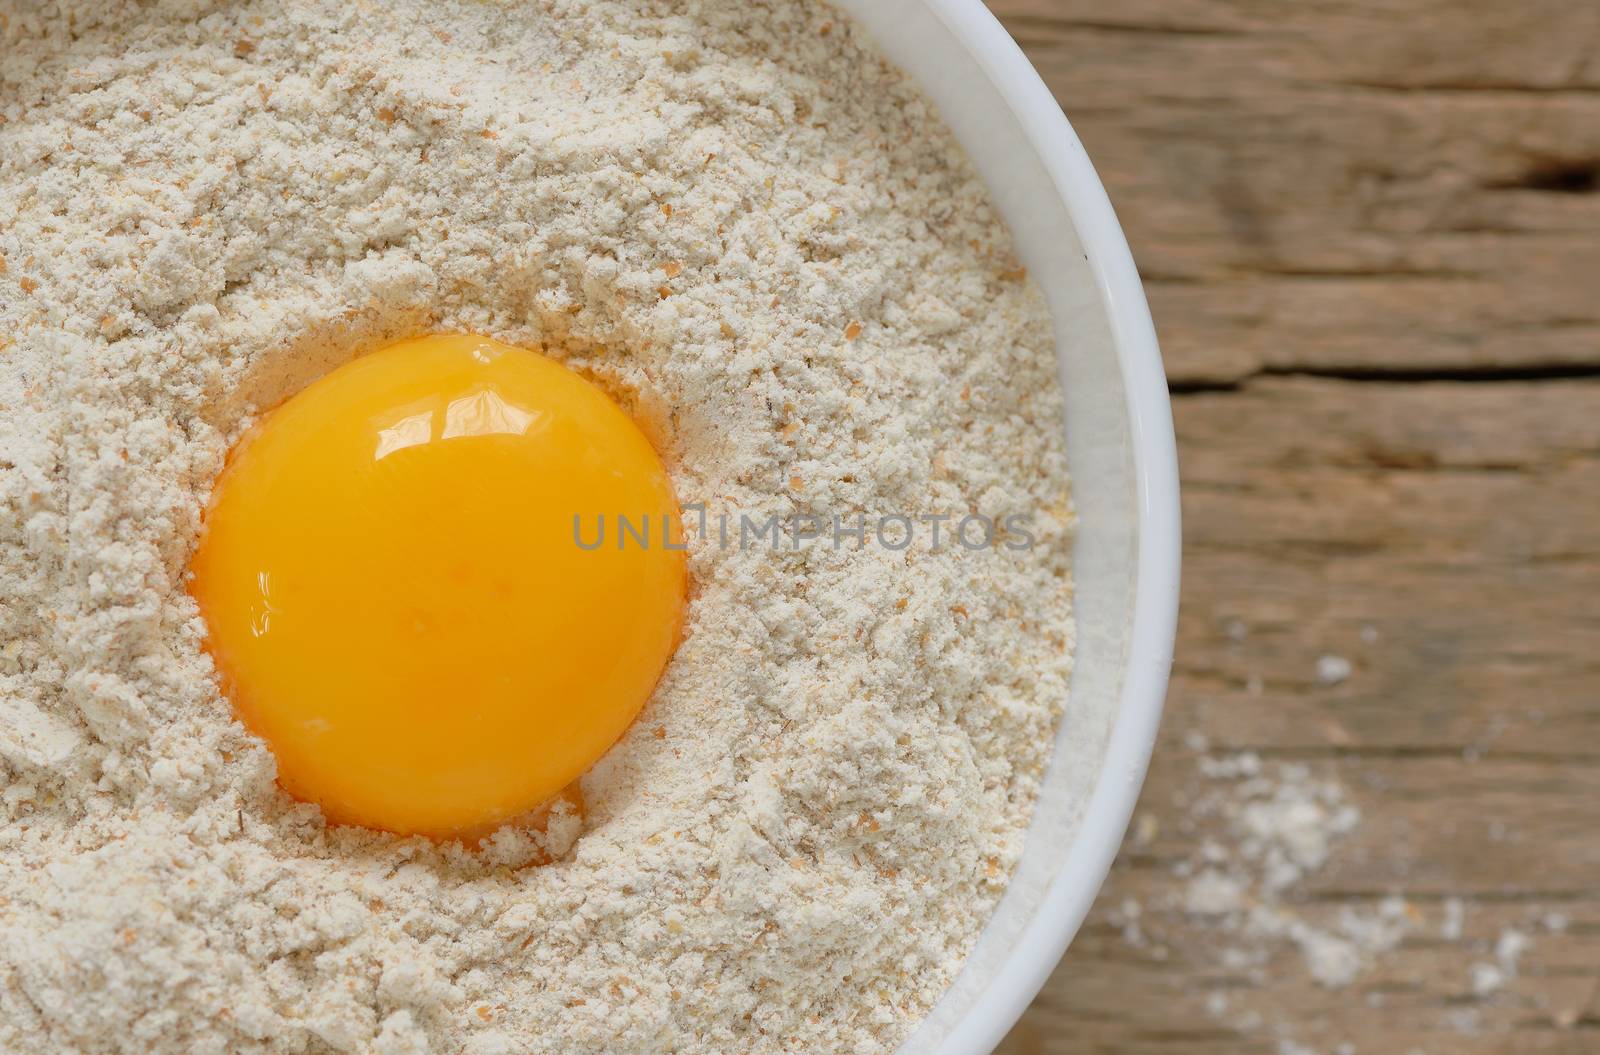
(1282, 823)
(1331, 670)
(1273, 828)
(1489, 977)
(1455, 917)
(737, 218)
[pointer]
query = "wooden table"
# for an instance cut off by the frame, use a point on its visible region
(1370, 232)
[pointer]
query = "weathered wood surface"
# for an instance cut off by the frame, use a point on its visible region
(1371, 235)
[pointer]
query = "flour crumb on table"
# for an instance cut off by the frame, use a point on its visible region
(1250, 906)
(1283, 823)
(752, 231)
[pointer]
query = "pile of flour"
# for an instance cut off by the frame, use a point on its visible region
(741, 221)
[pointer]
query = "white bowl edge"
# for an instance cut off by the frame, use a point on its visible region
(993, 1004)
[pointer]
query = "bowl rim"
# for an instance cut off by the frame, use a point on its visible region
(1099, 836)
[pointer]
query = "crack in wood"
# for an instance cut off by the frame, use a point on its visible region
(1557, 176)
(1419, 752)
(1398, 374)
(1483, 87)
(1361, 274)
(1054, 28)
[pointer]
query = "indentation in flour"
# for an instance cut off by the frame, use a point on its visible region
(311, 347)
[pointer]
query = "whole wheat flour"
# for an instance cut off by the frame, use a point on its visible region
(738, 219)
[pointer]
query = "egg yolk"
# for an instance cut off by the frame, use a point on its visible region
(396, 595)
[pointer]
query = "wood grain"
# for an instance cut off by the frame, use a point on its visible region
(1370, 231)
(1345, 185)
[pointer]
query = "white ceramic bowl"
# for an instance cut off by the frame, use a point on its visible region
(1125, 484)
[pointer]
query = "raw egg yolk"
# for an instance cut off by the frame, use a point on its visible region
(396, 595)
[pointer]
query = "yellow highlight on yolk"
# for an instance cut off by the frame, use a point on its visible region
(395, 594)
